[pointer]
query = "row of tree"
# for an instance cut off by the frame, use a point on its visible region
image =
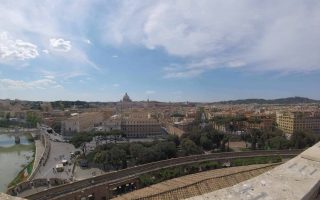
(207, 138)
(262, 139)
(31, 120)
(117, 156)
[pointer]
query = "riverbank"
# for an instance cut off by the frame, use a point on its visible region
(15, 159)
(18, 147)
(22, 175)
(27, 170)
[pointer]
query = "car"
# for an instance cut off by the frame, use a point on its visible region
(83, 163)
(77, 152)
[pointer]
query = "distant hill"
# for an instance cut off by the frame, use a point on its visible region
(289, 100)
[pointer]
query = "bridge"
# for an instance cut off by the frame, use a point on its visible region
(101, 187)
(17, 132)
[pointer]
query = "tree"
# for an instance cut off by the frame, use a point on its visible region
(8, 116)
(79, 141)
(216, 137)
(100, 157)
(225, 140)
(301, 139)
(33, 118)
(278, 142)
(136, 149)
(255, 135)
(189, 147)
(166, 150)
(205, 142)
(56, 126)
(117, 157)
(174, 138)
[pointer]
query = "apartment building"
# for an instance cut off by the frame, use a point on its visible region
(134, 125)
(290, 122)
(263, 122)
(81, 122)
(141, 127)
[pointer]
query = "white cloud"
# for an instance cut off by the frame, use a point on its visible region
(49, 77)
(46, 51)
(88, 41)
(150, 92)
(209, 34)
(36, 84)
(116, 85)
(115, 56)
(60, 44)
(11, 49)
(187, 73)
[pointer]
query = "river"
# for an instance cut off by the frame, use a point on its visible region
(13, 157)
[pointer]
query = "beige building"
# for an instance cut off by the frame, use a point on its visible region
(141, 127)
(134, 125)
(81, 122)
(113, 123)
(290, 122)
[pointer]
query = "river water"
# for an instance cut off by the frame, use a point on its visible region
(13, 157)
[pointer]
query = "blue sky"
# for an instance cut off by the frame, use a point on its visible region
(168, 50)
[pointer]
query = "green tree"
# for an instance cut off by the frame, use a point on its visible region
(254, 138)
(117, 157)
(166, 150)
(136, 150)
(302, 139)
(79, 141)
(8, 116)
(216, 137)
(205, 142)
(174, 138)
(189, 147)
(278, 142)
(33, 118)
(56, 126)
(100, 157)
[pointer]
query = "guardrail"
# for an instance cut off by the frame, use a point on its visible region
(129, 173)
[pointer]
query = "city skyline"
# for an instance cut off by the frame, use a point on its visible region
(162, 50)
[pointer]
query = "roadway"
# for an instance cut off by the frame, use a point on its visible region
(59, 151)
(129, 173)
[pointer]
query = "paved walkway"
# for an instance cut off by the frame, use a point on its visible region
(38, 154)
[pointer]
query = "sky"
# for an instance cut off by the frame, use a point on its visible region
(165, 50)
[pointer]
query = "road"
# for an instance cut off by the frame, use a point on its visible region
(58, 152)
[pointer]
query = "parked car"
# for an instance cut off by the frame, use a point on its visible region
(83, 163)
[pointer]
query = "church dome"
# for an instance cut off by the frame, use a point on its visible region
(126, 98)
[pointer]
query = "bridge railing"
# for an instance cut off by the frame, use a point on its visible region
(19, 130)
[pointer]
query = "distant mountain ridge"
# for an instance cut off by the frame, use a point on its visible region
(289, 100)
(86, 104)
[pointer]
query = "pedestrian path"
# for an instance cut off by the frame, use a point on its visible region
(38, 154)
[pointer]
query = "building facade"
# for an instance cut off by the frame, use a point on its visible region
(290, 122)
(141, 128)
(81, 123)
